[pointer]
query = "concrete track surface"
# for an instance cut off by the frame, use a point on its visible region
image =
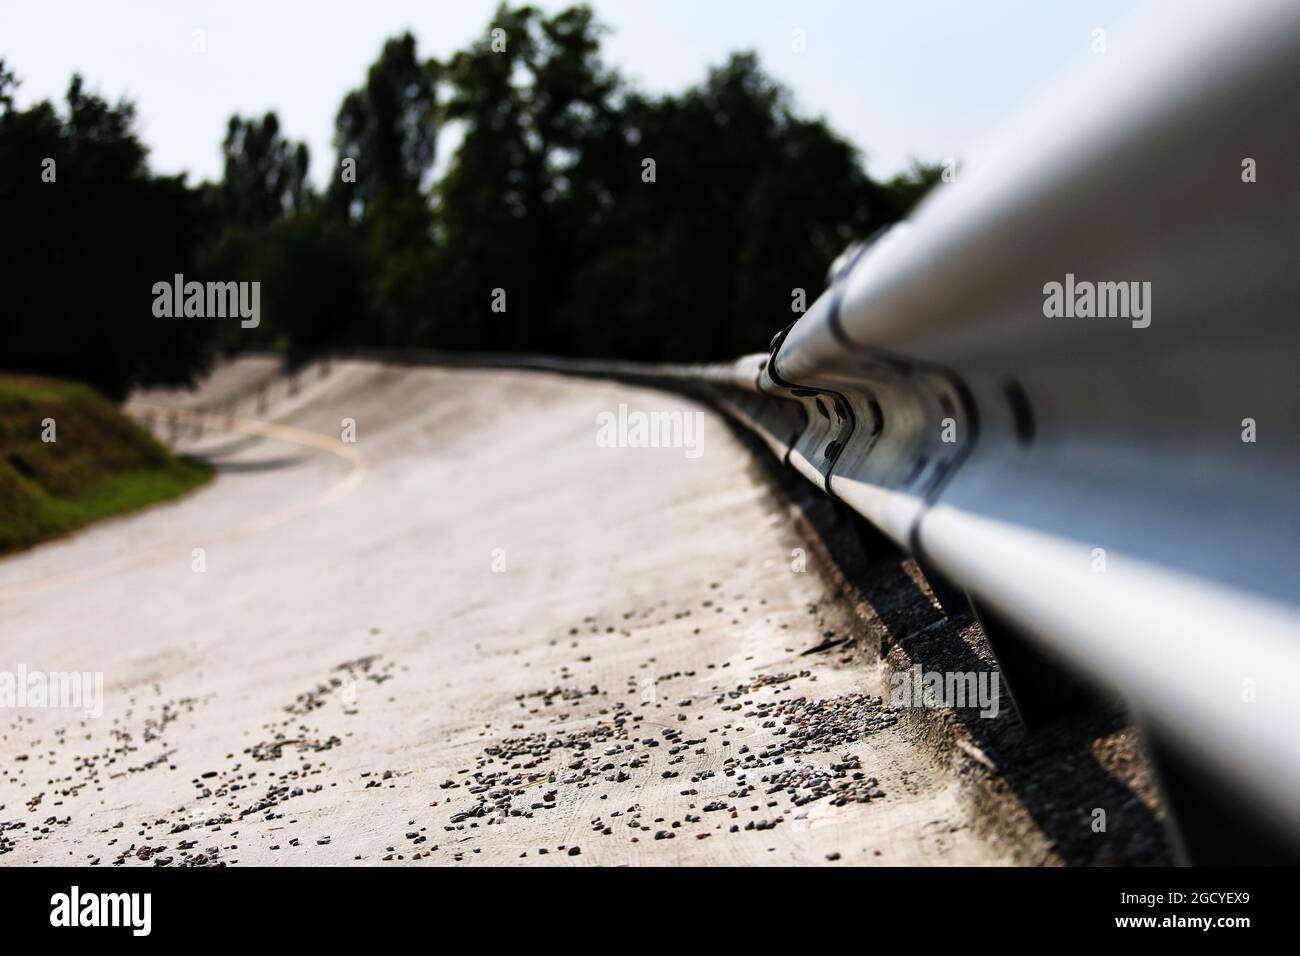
(471, 637)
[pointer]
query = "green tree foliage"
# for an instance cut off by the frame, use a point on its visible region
(277, 233)
(386, 135)
(522, 197)
(388, 128)
(906, 190)
(311, 277)
(265, 175)
(547, 196)
(749, 203)
(84, 239)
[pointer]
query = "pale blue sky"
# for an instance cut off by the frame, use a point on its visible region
(901, 79)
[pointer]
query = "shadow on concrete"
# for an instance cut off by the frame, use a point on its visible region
(1052, 773)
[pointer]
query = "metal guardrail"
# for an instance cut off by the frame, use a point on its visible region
(1084, 482)
(1087, 481)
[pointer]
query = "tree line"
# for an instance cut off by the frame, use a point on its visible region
(574, 215)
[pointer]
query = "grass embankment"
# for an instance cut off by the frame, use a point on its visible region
(100, 464)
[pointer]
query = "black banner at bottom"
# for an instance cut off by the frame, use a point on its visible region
(333, 905)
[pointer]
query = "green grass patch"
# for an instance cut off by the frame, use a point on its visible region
(101, 463)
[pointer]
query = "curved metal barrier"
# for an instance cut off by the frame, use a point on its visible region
(1119, 490)
(1068, 386)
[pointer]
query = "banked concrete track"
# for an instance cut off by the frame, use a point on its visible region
(473, 636)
